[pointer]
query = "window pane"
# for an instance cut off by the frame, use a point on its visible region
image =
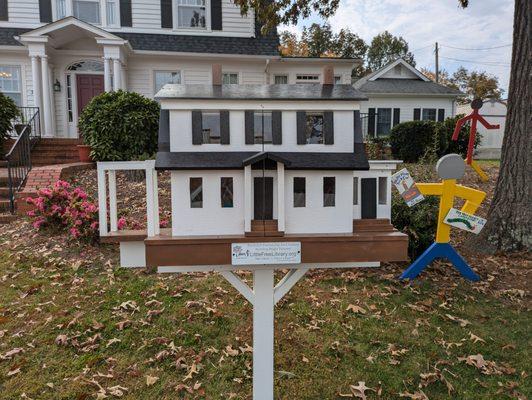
(210, 126)
(11, 83)
(337, 79)
(226, 192)
(111, 12)
(262, 123)
(299, 192)
(329, 191)
(88, 11)
(355, 191)
(314, 132)
(230, 79)
(384, 121)
(163, 77)
(307, 78)
(429, 114)
(61, 9)
(383, 189)
(196, 193)
(281, 79)
(190, 16)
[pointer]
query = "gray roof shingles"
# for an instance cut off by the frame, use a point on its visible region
(404, 86)
(7, 36)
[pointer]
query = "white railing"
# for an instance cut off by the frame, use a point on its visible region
(107, 177)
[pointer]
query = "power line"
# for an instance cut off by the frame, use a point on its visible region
(491, 63)
(422, 48)
(483, 48)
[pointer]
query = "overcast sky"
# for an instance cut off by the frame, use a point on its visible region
(485, 23)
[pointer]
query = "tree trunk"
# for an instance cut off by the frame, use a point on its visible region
(509, 226)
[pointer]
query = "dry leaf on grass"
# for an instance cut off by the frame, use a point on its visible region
(150, 380)
(356, 309)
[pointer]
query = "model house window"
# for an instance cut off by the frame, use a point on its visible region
(191, 14)
(210, 127)
(111, 10)
(161, 78)
(60, 9)
(87, 10)
(383, 189)
(280, 79)
(262, 125)
(384, 121)
(196, 192)
(429, 114)
(329, 191)
(69, 97)
(355, 191)
(300, 191)
(337, 79)
(314, 131)
(11, 82)
(230, 78)
(226, 192)
(307, 78)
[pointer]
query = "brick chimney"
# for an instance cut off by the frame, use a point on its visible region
(328, 75)
(216, 74)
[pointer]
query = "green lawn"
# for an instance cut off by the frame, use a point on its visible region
(188, 336)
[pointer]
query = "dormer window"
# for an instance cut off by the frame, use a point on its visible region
(191, 14)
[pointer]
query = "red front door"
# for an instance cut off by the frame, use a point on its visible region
(88, 86)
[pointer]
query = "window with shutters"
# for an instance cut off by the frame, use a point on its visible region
(428, 114)
(210, 127)
(262, 127)
(97, 12)
(300, 192)
(161, 78)
(384, 121)
(191, 14)
(314, 128)
(226, 192)
(280, 79)
(196, 192)
(329, 191)
(230, 78)
(87, 10)
(11, 82)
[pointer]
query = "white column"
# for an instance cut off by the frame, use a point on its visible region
(247, 198)
(107, 74)
(35, 75)
(117, 76)
(47, 112)
(52, 97)
(263, 309)
(280, 197)
(123, 74)
(113, 211)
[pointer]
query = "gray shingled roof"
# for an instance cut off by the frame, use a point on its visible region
(297, 92)
(6, 36)
(404, 86)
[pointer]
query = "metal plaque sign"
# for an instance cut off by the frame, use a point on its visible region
(462, 220)
(405, 185)
(266, 253)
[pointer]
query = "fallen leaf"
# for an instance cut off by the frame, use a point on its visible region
(150, 380)
(356, 309)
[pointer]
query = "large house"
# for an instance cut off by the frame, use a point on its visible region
(58, 54)
(398, 92)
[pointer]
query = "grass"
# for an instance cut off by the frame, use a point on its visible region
(195, 342)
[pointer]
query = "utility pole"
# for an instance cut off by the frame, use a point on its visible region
(437, 63)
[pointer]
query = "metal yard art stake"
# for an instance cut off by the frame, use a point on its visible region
(450, 168)
(474, 117)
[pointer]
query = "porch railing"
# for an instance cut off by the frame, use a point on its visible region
(18, 159)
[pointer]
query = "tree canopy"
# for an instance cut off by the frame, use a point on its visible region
(385, 48)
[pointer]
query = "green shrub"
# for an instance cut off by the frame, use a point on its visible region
(120, 126)
(8, 112)
(410, 140)
(418, 222)
(444, 132)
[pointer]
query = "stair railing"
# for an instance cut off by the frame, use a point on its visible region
(18, 159)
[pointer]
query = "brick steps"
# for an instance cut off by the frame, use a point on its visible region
(372, 225)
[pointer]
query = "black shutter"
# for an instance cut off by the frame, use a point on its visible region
(368, 188)
(441, 114)
(166, 14)
(417, 114)
(357, 133)
(3, 11)
(197, 134)
(224, 127)
(249, 126)
(277, 127)
(45, 10)
(371, 122)
(328, 127)
(216, 15)
(125, 13)
(396, 116)
(301, 127)
(164, 130)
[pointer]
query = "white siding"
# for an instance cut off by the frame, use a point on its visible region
(22, 12)
(233, 21)
(399, 72)
(292, 69)
(146, 14)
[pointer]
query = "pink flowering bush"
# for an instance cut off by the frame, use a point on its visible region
(64, 208)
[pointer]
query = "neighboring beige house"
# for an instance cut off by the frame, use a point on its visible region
(494, 111)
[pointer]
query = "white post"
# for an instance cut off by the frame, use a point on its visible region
(150, 200)
(47, 112)
(123, 74)
(52, 97)
(107, 74)
(247, 198)
(280, 197)
(117, 76)
(113, 212)
(37, 97)
(263, 309)
(102, 200)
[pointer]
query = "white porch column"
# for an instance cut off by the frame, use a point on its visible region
(123, 74)
(35, 75)
(107, 74)
(47, 111)
(117, 74)
(280, 197)
(52, 97)
(247, 198)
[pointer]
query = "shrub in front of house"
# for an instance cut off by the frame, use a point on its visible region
(410, 140)
(8, 112)
(444, 132)
(120, 126)
(62, 208)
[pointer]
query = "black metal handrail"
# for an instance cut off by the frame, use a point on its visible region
(18, 159)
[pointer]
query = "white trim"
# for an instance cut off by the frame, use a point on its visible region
(387, 68)
(274, 104)
(191, 30)
(209, 268)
